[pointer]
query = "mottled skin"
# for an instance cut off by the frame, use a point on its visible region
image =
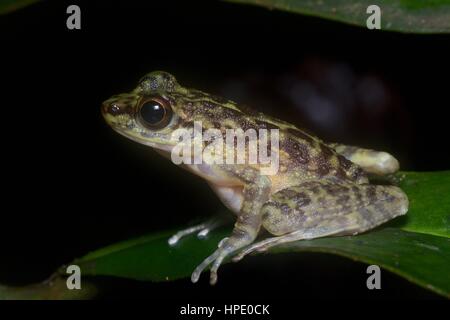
(320, 189)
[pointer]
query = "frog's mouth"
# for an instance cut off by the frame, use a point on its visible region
(155, 140)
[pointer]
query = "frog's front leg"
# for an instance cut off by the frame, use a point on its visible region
(255, 193)
(373, 162)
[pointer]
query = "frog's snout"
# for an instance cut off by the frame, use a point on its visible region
(106, 107)
(112, 108)
(117, 105)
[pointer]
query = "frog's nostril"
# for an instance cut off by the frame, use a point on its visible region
(111, 108)
(114, 109)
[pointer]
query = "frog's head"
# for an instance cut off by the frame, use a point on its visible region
(150, 113)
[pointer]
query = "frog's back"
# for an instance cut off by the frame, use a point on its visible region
(303, 156)
(305, 153)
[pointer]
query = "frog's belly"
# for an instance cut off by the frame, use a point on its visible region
(213, 176)
(231, 197)
(228, 189)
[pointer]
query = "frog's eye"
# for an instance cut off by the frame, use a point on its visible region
(155, 113)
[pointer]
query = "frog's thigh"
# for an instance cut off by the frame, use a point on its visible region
(371, 161)
(323, 208)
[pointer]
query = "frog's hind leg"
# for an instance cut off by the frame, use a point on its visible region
(316, 209)
(371, 161)
(290, 237)
(202, 230)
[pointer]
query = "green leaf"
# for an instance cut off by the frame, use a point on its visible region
(7, 6)
(417, 16)
(53, 289)
(416, 247)
(412, 16)
(420, 258)
(429, 203)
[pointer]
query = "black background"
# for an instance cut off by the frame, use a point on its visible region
(71, 185)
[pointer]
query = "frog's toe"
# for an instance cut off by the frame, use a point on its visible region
(239, 256)
(211, 225)
(215, 268)
(183, 233)
(256, 247)
(202, 230)
(216, 259)
(202, 266)
(245, 252)
(203, 233)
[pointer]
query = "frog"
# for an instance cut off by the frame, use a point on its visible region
(321, 189)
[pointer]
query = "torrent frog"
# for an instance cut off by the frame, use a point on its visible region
(320, 189)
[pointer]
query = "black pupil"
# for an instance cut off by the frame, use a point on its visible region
(152, 112)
